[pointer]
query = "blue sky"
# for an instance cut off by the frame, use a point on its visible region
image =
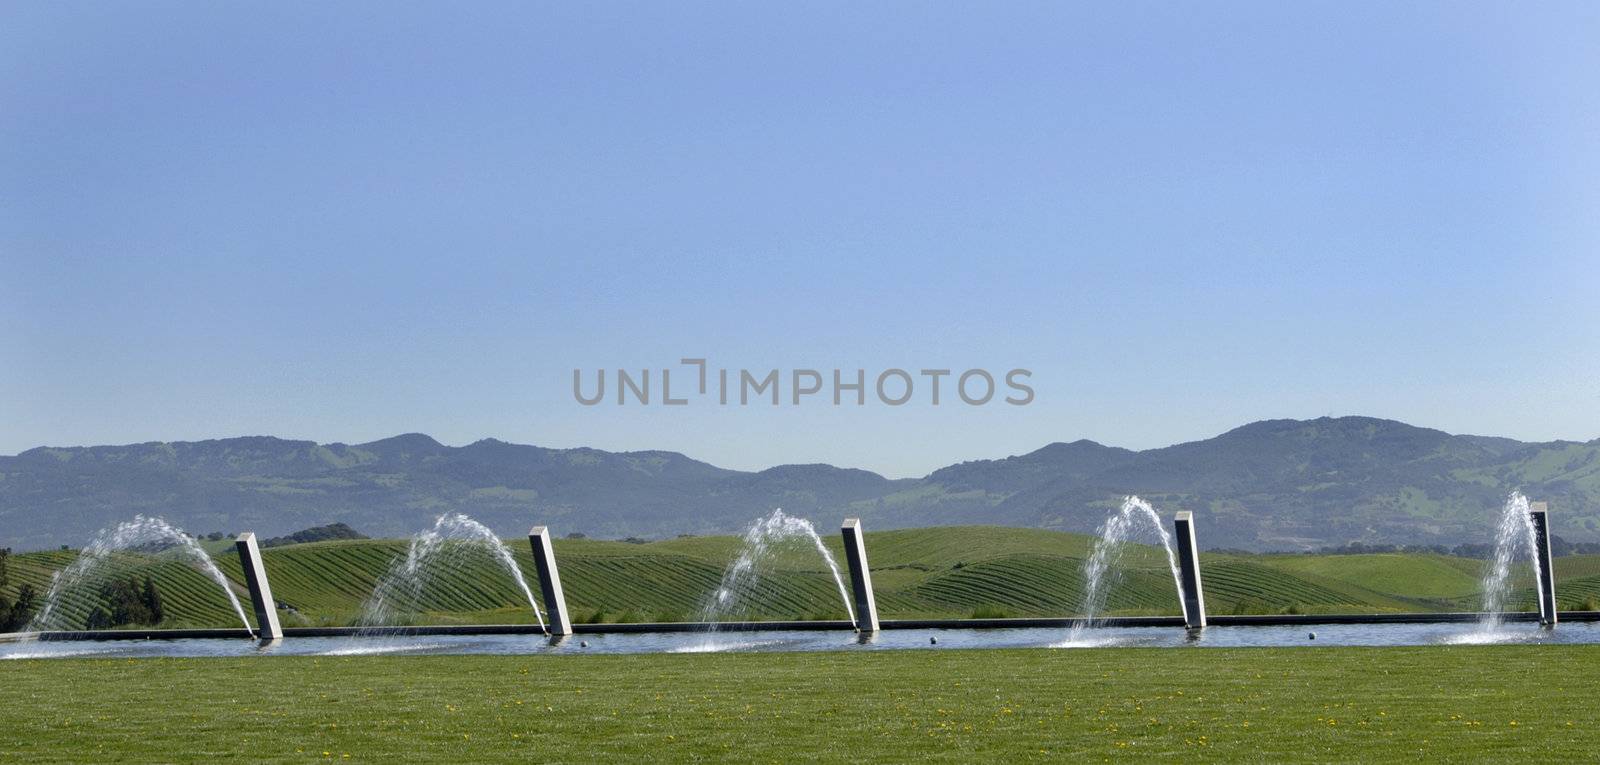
(345, 221)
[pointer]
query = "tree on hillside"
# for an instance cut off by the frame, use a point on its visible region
(316, 534)
(151, 597)
(5, 602)
(13, 615)
(21, 611)
(126, 602)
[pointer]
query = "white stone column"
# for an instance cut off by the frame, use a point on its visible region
(1540, 512)
(555, 602)
(255, 577)
(1192, 597)
(855, 551)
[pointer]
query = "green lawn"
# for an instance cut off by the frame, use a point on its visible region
(1464, 703)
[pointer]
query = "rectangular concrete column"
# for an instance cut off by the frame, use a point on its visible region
(1541, 549)
(1193, 597)
(855, 550)
(555, 602)
(255, 577)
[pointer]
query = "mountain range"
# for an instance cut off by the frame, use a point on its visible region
(1270, 485)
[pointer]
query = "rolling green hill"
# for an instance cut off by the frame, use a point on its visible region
(918, 573)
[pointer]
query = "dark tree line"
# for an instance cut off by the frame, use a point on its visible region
(127, 602)
(1558, 548)
(14, 615)
(315, 534)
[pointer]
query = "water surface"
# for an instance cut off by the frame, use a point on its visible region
(1443, 634)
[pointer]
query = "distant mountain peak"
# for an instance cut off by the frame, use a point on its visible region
(1332, 427)
(1080, 445)
(412, 441)
(800, 470)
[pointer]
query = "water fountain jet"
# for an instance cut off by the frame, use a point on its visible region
(1108, 551)
(430, 554)
(1515, 535)
(742, 576)
(140, 533)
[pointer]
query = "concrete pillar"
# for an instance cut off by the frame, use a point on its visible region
(1193, 597)
(255, 577)
(1541, 550)
(855, 550)
(555, 602)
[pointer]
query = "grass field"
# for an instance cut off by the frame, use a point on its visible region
(945, 572)
(1484, 703)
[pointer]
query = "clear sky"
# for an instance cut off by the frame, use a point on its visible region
(343, 221)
